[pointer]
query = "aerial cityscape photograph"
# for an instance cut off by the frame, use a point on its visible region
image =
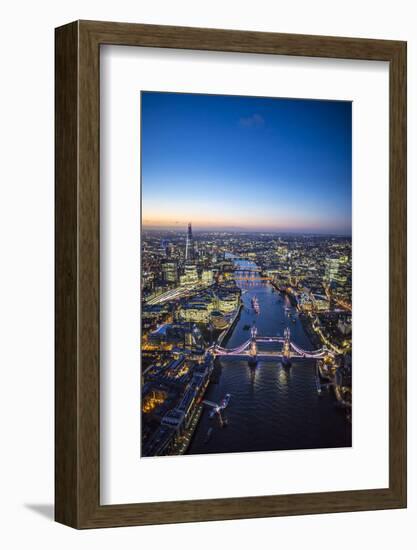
(246, 274)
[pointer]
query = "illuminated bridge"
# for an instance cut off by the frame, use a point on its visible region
(248, 269)
(252, 273)
(284, 348)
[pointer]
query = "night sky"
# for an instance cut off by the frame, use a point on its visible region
(245, 163)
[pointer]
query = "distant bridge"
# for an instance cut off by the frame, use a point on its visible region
(251, 274)
(252, 278)
(249, 269)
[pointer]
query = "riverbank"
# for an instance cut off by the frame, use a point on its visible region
(222, 339)
(182, 446)
(311, 333)
(282, 290)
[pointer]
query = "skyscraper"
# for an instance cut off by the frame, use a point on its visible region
(189, 245)
(331, 269)
(170, 272)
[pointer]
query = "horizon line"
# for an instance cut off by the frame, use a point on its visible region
(238, 230)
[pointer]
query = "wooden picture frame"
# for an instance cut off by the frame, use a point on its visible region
(77, 406)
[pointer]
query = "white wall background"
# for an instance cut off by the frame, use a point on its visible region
(26, 273)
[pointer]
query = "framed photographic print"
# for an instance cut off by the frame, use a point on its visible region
(230, 274)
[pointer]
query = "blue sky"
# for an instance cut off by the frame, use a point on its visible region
(234, 162)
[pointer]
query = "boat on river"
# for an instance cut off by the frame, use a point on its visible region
(216, 409)
(255, 304)
(225, 401)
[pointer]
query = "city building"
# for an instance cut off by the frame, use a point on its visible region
(170, 272)
(227, 303)
(190, 275)
(331, 269)
(195, 313)
(189, 245)
(218, 320)
(207, 277)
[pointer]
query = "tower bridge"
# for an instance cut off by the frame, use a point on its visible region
(285, 348)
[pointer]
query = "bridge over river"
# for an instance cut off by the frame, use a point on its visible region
(285, 348)
(271, 407)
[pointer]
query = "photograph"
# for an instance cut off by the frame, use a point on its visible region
(246, 274)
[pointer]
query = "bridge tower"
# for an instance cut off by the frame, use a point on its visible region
(286, 348)
(253, 350)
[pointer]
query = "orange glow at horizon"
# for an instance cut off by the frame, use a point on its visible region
(285, 224)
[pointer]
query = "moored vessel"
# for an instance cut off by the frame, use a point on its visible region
(255, 304)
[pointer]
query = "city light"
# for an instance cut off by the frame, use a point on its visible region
(201, 288)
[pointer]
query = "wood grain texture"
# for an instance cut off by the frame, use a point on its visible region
(78, 284)
(66, 237)
(398, 273)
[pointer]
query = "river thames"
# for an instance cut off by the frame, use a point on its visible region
(271, 407)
